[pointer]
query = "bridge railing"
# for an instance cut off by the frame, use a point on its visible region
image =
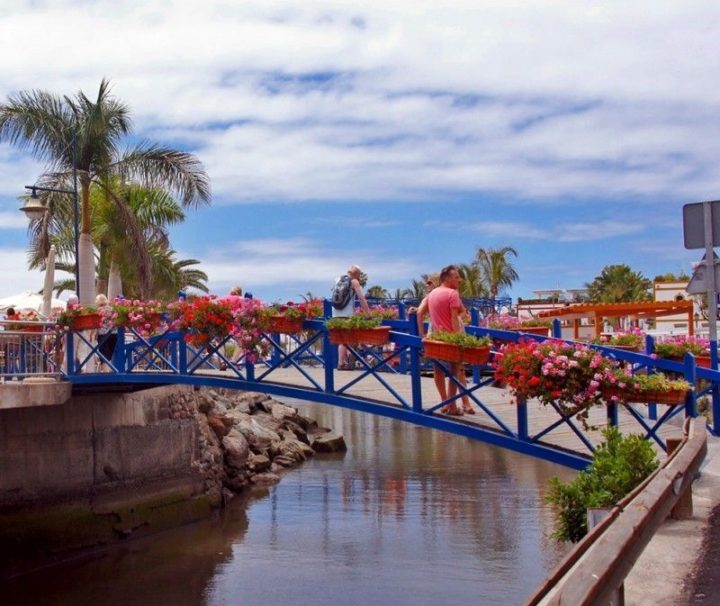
(138, 358)
(29, 349)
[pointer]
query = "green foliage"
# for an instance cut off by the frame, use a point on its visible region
(354, 322)
(619, 284)
(672, 277)
(621, 463)
(461, 339)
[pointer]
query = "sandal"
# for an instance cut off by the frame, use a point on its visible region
(453, 411)
(468, 411)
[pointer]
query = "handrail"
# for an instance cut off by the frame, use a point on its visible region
(599, 563)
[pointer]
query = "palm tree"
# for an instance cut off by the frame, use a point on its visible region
(417, 289)
(619, 284)
(377, 292)
(496, 269)
(79, 132)
(472, 280)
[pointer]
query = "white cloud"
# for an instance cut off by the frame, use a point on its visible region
(330, 100)
(286, 267)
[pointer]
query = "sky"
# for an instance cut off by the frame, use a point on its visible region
(400, 136)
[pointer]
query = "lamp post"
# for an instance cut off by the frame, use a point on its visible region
(35, 209)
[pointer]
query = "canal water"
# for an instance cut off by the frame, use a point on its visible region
(406, 516)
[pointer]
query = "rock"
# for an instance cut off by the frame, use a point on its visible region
(264, 479)
(218, 426)
(257, 436)
(281, 411)
(291, 449)
(267, 421)
(306, 423)
(329, 442)
(284, 461)
(297, 430)
(236, 483)
(236, 449)
(258, 462)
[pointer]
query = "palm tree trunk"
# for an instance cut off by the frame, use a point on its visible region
(114, 280)
(86, 261)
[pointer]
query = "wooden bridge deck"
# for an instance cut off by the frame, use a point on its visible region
(499, 401)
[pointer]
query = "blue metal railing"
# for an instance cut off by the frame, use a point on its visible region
(168, 358)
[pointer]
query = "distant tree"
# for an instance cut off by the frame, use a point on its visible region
(619, 284)
(377, 292)
(417, 289)
(496, 268)
(672, 277)
(472, 284)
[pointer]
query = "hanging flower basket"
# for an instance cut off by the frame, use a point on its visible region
(285, 325)
(450, 352)
(379, 335)
(674, 397)
(86, 321)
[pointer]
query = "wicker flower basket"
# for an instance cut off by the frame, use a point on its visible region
(452, 353)
(86, 322)
(671, 398)
(359, 336)
(282, 324)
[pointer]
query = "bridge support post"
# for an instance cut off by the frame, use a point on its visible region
(329, 362)
(522, 419)
(475, 321)
(182, 364)
(119, 353)
(691, 377)
(715, 390)
(415, 382)
(70, 351)
(649, 349)
(612, 414)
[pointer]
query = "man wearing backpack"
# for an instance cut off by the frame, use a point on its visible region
(346, 291)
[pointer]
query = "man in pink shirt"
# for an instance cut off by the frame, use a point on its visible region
(445, 308)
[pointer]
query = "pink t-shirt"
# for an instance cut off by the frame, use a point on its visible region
(440, 303)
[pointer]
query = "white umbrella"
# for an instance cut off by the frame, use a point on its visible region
(49, 282)
(29, 300)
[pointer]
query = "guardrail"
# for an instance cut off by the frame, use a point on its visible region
(29, 349)
(595, 569)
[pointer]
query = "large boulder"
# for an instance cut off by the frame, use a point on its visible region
(329, 442)
(257, 436)
(236, 449)
(281, 411)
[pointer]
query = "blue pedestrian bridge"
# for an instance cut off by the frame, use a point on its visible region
(393, 381)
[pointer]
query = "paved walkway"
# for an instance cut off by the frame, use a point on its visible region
(673, 569)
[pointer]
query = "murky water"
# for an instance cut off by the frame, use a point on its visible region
(407, 516)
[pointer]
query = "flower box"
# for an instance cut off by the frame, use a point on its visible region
(86, 322)
(283, 324)
(27, 328)
(701, 361)
(453, 353)
(675, 397)
(359, 336)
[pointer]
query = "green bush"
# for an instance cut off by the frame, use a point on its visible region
(621, 463)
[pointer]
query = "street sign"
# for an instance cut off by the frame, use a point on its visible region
(698, 283)
(694, 224)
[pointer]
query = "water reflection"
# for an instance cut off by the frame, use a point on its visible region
(407, 516)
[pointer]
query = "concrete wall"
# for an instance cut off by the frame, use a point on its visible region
(111, 463)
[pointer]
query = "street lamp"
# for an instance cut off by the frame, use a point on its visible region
(35, 209)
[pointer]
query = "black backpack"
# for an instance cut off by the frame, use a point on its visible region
(342, 292)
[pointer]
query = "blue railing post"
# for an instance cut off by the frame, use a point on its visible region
(690, 377)
(715, 389)
(522, 419)
(329, 352)
(249, 370)
(612, 414)
(182, 361)
(119, 353)
(556, 329)
(649, 350)
(402, 311)
(275, 353)
(415, 382)
(475, 321)
(70, 351)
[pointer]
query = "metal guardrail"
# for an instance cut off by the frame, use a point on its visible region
(29, 349)
(597, 566)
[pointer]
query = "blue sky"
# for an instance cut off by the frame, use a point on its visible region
(400, 136)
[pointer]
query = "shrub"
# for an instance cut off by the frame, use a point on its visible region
(621, 463)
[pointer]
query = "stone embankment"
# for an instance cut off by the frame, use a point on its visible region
(247, 439)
